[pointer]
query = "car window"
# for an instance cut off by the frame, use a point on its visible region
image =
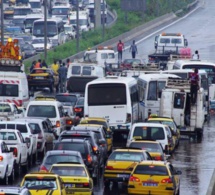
(151, 170)
(150, 147)
(60, 109)
(7, 136)
(36, 183)
(35, 127)
(127, 156)
(69, 171)
(52, 159)
(155, 133)
(80, 101)
(42, 111)
(67, 98)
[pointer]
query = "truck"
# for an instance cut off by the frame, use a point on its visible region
(176, 103)
(167, 44)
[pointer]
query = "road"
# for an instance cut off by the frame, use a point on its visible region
(195, 160)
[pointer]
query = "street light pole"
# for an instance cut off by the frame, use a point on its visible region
(2, 23)
(45, 29)
(77, 27)
(103, 21)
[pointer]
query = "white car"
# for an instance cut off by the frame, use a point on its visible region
(14, 190)
(38, 44)
(7, 163)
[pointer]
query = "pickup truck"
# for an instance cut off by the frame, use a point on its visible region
(9, 111)
(7, 162)
(27, 132)
(16, 144)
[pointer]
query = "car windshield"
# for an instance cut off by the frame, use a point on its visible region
(40, 182)
(5, 108)
(69, 171)
(42, 111)
(150, 133)
(151, 170)
(168, 123)
(126, 156)
(67, 98)
(80, 102)
(27, 47)
(150, 147)
(57, 158)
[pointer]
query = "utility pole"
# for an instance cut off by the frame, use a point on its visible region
(2, 23)
(103, 20)
(97, 13)
(45, 29)
(77, 27)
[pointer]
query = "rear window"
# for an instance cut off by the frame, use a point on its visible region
(155, 133)
(7, 136)
(95, 122)
(42, 111)
(151, 170)
(5, 108)
(67, 98)
(76, 70)
(86, 71)
(150, 147)
(80, 147)
(127, 156)
(53, 159)
(80, 102)
(35, 127)
(21, 128)
(69, 171)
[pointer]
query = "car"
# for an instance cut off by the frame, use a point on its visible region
(67, 99)
(29, 50)
(121, 163)
(41, 77)
(131, 63)
(79, 107)
(153, 147)
(7, 164)
(14, 190)
(8, 13)
(60, 156)
(171, 140)
(167, 121)
(38, 44)
(76, 178)
(154, 177)
(108, 131)
(27, 38)
(44, 183)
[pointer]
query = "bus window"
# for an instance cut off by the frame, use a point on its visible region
(161, 85)
(76, 70)
(164, 40)
(179, 100)
(86, 71)
(152, 90)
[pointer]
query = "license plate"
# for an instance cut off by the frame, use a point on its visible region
(123, 175)
(69, 185)
(69, 191)
(150, 184)
(38, 77)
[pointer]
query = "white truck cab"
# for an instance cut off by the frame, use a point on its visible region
(176, 103)
(70, 31)
(36, 6)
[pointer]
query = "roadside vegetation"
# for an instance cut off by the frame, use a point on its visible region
(154, 8)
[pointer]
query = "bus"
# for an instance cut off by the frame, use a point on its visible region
(22, 10)
(150, 89)
(29, 20)
(114, 98)
(55, 30)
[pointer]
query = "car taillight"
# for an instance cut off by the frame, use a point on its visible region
(132, 178)
(128, 118)
(69, 122)
(77, 109)
(43, 168)
(166, 180)
(57, 123)
(15, 152)
(95, 148)
(158, 158)
(89, 158)
(1, 158)
(109, 168)
(86, 185)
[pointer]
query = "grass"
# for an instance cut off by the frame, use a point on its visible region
(154, 9)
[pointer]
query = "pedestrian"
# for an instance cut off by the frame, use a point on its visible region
(120, 47)
(133, 49)
(68, 63)
(60, 63)
(44, 65)
(38, 64)
(55, 67)
(194, 85)
(196, 55)
(62, 77)
(32, 66)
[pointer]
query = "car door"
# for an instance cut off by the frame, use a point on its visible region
(174, 177)
(23, 148)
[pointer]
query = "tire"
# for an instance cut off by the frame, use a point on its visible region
(26, 166)
(18, 168)
(6, 177)
(12, 175)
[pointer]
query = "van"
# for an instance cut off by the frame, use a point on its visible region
(50, 108)
(149, 131)
(14, 88)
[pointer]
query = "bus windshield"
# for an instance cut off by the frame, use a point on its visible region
(22, 11)
(60, 11)
(210, 69)
(39, 29)
(29, 22)
(35, 4)
(109, 94)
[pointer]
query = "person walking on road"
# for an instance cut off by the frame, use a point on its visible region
(133, 49)
(62, 77)
(44, 65)
(196, 55)
(55, 67)
(120, 47)
(194, 86)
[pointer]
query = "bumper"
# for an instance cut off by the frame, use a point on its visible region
(119, 177)
(78, 191)
(44, 83)
(149, 191)
(123, 127)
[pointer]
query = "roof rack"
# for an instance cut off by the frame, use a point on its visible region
(178, 83)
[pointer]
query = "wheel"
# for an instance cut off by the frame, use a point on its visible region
(26, 166)
(6, 178)
(18, 168)
(12, 175)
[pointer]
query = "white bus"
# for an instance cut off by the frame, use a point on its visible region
(150, 88)
(55, 30)
(114, 98)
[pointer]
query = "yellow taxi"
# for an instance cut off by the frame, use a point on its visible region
(154, 177)
(167, 121)
(43, 183)
(153, 147)
(121, 163)
(108, 131)
(75, 177)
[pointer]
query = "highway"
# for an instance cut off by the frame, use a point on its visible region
(195, 160)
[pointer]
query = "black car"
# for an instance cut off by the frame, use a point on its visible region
(28, 49)
(60, 156)
(84, 147)
(79, 107)
(78, 133)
